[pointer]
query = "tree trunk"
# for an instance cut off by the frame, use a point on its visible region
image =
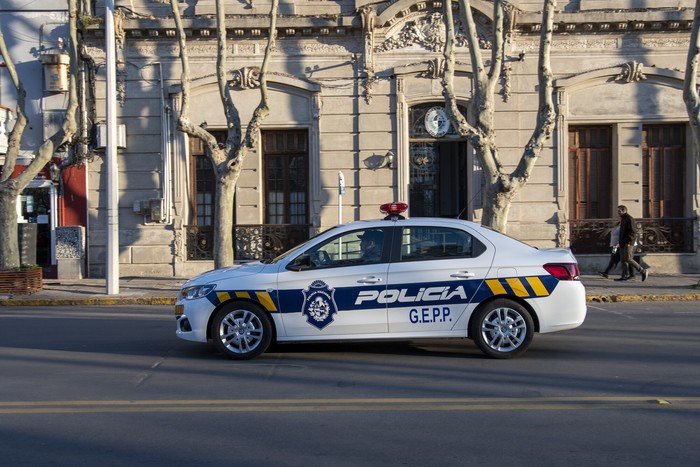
(224, 242)
(495, 214)
(9, 252)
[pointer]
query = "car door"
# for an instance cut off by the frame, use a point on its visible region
(432, 281)
(332, 288)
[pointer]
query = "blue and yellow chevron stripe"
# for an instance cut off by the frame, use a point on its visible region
(523, 287)
(262, 297)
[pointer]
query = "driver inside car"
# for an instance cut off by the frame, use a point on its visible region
(371, 246)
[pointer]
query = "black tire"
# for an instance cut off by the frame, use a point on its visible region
(241, 331)
(502, 329)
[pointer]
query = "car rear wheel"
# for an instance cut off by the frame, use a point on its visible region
(502, 329)
(241, 331)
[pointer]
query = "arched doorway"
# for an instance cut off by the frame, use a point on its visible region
(437, 165)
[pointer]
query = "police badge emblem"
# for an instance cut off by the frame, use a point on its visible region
(319, 304)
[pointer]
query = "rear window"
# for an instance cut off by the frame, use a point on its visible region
(424, 243)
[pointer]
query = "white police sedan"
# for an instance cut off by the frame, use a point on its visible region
(394, 278)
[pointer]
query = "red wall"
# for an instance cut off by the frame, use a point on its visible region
(72, 206)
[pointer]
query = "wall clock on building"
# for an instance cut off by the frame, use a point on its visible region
(436, 122)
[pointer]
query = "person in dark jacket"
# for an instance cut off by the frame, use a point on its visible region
(628, 237)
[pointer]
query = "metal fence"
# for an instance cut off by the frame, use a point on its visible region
(667, 235)
(253, 242)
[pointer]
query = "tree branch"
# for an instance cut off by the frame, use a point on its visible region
(690, 84)
(497, 48)
(546, 117)
(21, 123)
(183, 121)
(473, 41)
(451, 105)
(263, 109)
(233, 122)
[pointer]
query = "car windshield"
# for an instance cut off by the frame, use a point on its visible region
(296, 248)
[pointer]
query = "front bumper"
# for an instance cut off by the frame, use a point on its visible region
(192, 319)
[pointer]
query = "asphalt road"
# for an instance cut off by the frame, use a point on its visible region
(114, 386)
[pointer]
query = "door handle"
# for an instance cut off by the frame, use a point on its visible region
(370, 280)
(463, 274)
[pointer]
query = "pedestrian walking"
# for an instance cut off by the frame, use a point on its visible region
(614, 251)
(627, 245)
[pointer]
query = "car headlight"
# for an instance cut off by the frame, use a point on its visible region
(196, 291)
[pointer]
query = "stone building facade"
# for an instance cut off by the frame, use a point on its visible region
(355, 90)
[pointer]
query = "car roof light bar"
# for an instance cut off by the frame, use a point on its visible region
(394, 210)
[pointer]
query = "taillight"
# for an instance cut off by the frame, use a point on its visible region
(564, 271)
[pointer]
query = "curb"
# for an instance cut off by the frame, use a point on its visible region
(99, 301)
(642, 298)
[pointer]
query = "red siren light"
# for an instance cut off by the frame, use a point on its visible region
(394, 210)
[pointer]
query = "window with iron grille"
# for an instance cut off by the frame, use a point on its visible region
(590, 179)
(285, 156)
(203, 187)
(663, 169)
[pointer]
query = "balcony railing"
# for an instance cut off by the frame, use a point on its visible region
(253, 242)
(668, 235)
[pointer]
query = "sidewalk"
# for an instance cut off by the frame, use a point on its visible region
(163, 291)
(132, 291)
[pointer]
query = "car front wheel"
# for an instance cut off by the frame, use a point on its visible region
(502, 329)
(241, 331)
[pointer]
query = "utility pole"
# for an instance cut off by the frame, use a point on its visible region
(341, 191)
(112, 273)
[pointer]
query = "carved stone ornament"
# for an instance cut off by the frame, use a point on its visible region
(245, 78)
(505, 75)
(369, 16)
(436, 67)
(631, 72)
(428, 32)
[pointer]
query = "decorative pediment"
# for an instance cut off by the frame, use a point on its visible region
(629, 72)
(428, 31)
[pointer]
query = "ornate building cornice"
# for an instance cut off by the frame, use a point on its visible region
(396, 14)
(610, 22)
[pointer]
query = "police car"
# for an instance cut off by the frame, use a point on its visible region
(393, 278)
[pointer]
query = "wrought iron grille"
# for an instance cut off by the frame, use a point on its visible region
(660, 235)
(200, 242)
(253, 242)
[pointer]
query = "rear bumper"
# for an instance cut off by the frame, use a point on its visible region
(564, 309)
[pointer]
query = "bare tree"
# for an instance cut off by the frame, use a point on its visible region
(690, 84)
(227, 159)
(11, 186)
(500, 187)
